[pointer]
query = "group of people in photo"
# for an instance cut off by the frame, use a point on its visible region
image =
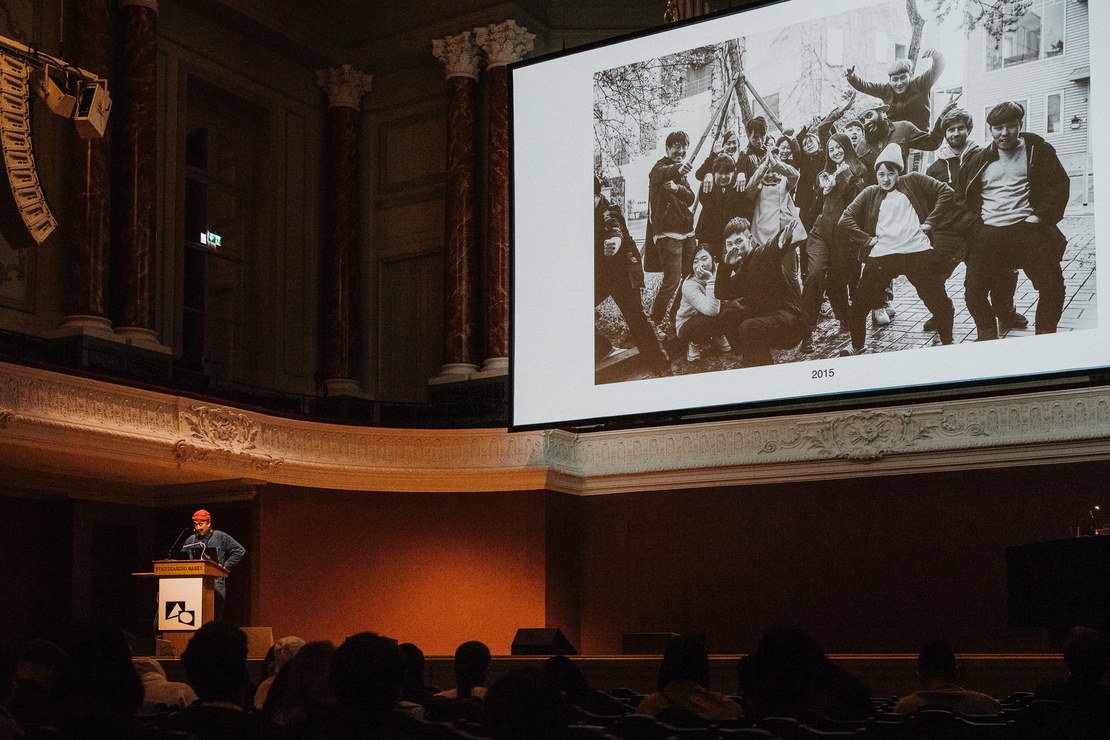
(753, 245)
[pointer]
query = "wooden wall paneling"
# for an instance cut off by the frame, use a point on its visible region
(410, 307)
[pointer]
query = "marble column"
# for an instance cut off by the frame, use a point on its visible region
(340, 263)
(86, 263)
(461, 58)
(503, 44)
(135, 191)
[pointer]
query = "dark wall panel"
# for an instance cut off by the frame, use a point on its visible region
(874, 564)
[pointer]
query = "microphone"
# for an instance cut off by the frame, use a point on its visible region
(173, 547)
(202, 545)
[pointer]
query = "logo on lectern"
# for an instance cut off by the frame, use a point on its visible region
(175, 610)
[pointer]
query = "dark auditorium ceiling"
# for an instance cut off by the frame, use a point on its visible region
(323, 32)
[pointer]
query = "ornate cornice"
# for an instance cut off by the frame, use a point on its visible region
(76, 426)
(344, 86)
(504, 43)
(460, 56)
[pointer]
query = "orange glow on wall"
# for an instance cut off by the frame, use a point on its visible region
(431, 569)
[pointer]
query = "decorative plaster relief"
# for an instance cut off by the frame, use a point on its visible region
(869, 434)
(227, 435)
(185, 452)
(143, 430)
(228, 430)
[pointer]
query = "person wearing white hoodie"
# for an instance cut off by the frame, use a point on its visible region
(158, 691)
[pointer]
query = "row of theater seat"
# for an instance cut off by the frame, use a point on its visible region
(1021, 719)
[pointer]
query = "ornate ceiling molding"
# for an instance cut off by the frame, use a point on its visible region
(76, 426)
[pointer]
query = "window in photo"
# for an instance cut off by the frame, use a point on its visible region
(1053, 113)
(1039, 34)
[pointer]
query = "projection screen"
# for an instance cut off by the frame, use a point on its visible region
(589, 318)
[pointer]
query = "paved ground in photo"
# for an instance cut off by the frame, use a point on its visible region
(904, 331)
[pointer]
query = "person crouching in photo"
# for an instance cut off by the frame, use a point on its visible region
(760, 279)
(892, 223)
(702, 316)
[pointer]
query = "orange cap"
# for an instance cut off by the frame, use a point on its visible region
(202, 516)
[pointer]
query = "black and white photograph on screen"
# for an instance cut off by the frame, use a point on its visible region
(895, 177)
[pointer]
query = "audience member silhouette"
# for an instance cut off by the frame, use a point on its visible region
(102, 693)
(9, 661)
(301, 693)
(1084, 698)
(472, 661)
(576, 691)
(683, 697)
(464, 702)
(215, 663)
(790, 676)
(40, 671)
(937, 673)
(365, 678)
(414, 691)
(524, 704)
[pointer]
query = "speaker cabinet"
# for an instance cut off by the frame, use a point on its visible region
(541, 641)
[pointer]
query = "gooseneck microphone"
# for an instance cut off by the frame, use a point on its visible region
(173, 548)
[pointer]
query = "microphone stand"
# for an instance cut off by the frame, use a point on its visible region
(173, 547)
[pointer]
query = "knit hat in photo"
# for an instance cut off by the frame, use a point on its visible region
(892, 154)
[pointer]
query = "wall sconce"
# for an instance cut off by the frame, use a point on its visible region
(1076, 122)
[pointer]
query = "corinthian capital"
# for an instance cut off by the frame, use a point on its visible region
(504, 43)
(459, 54)
(344, 85)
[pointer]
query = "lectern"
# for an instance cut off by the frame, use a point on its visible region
(186, 597)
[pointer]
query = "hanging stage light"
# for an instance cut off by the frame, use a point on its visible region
(59, 101)
(93, 107)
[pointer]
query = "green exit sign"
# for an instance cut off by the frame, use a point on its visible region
(211, 238)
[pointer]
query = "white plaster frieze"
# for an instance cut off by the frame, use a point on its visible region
(158, 439)
(860, 436)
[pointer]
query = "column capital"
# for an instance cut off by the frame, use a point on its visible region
(459, 54)
(504, 43)
(152, 4)
(344, 85)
